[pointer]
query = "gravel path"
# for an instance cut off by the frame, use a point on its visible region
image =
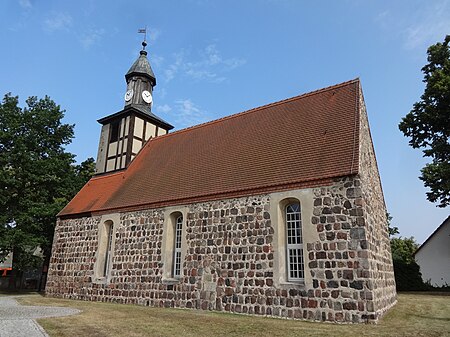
(19, 321)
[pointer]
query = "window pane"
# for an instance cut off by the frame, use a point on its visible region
(294, 242)
(177, 247)
(109, 236)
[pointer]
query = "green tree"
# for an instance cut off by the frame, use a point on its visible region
(403, 249)
(392, 230)
(407, 272)
(428, 123)
(37, 178)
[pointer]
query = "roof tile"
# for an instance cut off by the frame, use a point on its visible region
(302, 139)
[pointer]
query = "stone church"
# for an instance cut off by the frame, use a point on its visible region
(275, 211)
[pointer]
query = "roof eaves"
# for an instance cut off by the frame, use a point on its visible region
(145, 114)
(313, 182)
(108, 175)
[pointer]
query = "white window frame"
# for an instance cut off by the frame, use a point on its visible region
(295, 265)
(177, 247)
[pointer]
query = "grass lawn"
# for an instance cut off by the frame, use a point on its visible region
(414, 315)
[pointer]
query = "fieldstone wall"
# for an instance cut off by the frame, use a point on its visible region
(381, 271)
(73, 257)
(229, 259)
(339, 260)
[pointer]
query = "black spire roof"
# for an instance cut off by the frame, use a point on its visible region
(142, 67)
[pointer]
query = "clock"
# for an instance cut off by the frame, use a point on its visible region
(147, 96)
(128, 95)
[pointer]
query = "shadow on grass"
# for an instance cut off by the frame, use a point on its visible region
(20, 292)
(432, 318)
(425, 293)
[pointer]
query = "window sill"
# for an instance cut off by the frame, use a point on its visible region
(290, 285)
(100, 280)
(171, 281)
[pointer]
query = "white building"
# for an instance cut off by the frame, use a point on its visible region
(433, 256)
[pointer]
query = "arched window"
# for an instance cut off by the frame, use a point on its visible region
(109, 237)
(173, 244)
(294, 243)
(177, 247)
(104, 256)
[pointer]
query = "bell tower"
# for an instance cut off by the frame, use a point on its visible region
(140, 81)
(125, 132)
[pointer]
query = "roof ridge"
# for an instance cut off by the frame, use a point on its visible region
(245, 112)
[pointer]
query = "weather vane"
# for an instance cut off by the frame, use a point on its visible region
(143, 31)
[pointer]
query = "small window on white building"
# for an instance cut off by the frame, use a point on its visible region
(294, 243)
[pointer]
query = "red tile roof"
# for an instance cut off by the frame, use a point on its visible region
(301, 141)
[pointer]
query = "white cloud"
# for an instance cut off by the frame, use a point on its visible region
(427, 33)
(25, 4)
(91, 37)
(156, 60)
(162, 92)
(203, 74)
(187, 113)
(173, 68)
(187, 107)
(417, 27)
(209, 65)
(212, 55)
(153, 34)
(165, 108)
(57, 21)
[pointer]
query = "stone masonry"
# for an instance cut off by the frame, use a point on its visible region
(229, 260)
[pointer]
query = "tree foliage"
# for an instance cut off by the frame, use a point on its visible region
(391, 229)
(407, 272)
(428, 123)
(403, 249)
(37, 177)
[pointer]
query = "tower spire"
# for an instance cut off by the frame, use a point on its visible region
(140, 79)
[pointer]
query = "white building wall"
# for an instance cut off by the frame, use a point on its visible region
(433, 257)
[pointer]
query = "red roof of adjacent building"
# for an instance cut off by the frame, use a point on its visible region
(302, 141)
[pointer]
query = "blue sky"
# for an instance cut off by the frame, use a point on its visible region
(216, 58)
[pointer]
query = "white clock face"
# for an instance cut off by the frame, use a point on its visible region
(128, 95)
(147, 96)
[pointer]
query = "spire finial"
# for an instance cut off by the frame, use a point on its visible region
(144, 43)
(143, 31)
